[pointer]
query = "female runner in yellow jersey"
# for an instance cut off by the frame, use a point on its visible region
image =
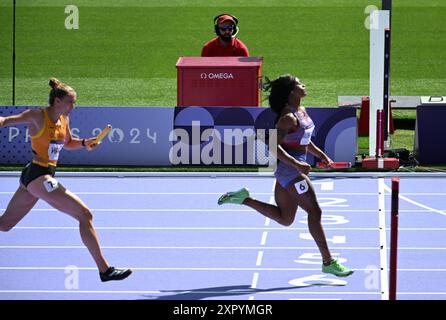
(50, 132)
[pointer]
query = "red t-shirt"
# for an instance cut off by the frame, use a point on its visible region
(215, 48)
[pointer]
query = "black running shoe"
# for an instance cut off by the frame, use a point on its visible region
(114, 274)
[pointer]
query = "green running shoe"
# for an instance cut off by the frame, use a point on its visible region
(236, 197)
(337, 269)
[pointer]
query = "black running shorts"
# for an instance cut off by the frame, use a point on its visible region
(32, 171)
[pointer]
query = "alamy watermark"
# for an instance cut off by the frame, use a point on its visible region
(372, 280)
(372, 20)
(72, 20)
(229, 147)
(72, 278)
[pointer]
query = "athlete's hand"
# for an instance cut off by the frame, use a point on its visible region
(90, 143)
(325, 159)
(303, 167)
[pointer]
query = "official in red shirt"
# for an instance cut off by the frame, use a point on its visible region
(225, 44)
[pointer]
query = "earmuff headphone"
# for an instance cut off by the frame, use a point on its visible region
(234, 31)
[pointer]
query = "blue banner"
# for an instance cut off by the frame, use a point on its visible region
(236, 134)
(140, 136)
(162, 136)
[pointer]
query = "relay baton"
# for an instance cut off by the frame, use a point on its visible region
(103, 134)
(334, 165)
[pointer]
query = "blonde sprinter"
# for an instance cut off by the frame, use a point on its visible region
(49, 129)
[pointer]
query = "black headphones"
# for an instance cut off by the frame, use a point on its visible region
(234, 31)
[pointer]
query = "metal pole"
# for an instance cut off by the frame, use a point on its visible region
(13, 53)
(387, 5)
(394, 239)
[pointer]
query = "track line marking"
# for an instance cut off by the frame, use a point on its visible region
(129, 210)
(383, 240)
(174, 210)
(259, 258)
(217, 228)
(264, 237)
(314, 299)
(198, 269)
(255, 280)
(325, 186)
(213, 269)
(195, 292)
(212, 248)
(255, 276)
(417, 203)
(177, 228)
(213, 292)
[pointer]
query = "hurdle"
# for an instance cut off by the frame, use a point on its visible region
(394, 238)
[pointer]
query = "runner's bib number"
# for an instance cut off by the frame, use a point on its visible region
(54, 150)
(306, 138)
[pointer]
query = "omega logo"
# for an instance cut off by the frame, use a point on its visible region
(219, 75)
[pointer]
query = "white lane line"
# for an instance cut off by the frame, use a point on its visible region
(90, 292)
(327, 186)
(212, 292)
(423, 194)
(218, 228)
(175, 210)
(129, 210)
(195, 292)
(212, 248)
(259, 258)
(416, 210)
(255, 280)
(323, 188)
(264, 237)
(314, 299)
(148, 193)
(422, 293)
(383, 240)
(442, 212)
(347, 292)
(255, 276)
(176, 269)
(212, 269)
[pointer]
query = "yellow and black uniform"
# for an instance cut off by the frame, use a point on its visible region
(46, 146)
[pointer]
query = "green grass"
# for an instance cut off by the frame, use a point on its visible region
(401, 138)
(124, 52)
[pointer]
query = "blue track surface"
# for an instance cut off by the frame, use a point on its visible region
(182, 245)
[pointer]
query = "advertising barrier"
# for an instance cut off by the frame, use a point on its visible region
(429, 142)
(163, 136)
